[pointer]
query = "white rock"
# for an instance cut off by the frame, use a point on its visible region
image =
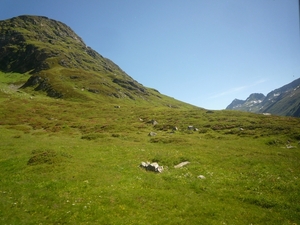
(152, 166)
(181, 164)
(152, 134)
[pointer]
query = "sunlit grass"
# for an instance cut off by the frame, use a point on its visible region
(66, 162)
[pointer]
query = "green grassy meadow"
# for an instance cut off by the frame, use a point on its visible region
(75, 162)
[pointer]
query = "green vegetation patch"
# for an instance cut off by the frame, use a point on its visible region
(93, 136)
(47, 157)
(78, 162)
(13, 78)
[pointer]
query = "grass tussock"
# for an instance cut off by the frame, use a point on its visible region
(47, 157)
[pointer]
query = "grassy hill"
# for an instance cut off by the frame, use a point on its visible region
(66, 162)
(60, 63)
(74, 158)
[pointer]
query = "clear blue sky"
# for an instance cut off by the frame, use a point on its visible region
(204, 52)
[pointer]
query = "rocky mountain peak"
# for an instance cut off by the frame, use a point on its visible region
(256, 97)
(42, 28)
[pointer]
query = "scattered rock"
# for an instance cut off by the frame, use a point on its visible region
(201, 177)
(190, 127)
(193, 128)
(95, 91)
(267, 114)
(241, 129)
(154, 122)
(290, 146)
(181, 164)
(154, 167)
(117, 106)
(152, 134)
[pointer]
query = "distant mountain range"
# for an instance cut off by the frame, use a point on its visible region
(283, 101)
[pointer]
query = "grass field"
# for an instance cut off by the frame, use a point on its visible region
(72, 162)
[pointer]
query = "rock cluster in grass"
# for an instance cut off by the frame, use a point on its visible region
(152, 166)
(192, 128)
(153, 122)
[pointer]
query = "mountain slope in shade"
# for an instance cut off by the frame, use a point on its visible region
(62, 66)
(282, 101)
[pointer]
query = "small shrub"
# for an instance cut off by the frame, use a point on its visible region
(43, 157)
(231, 132)
(167, 140)
(17, 136)
(203, 131)
(274, 142)
(261, 201)
(295, 136)
(92, 136)
(47, 157)
(164, 127)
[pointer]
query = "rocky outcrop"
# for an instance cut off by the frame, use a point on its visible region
(42, 84)
(17, 35)
(130, 85)
(25, 58)
(154, 167)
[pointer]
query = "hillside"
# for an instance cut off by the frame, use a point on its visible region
(283, 101)
(75, 129)
(61, 65)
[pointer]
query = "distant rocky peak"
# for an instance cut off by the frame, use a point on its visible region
(235, 103)
(256, 97)
(281, 101)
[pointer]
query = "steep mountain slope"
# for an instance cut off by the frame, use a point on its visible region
(60, 63)
(282, 101)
